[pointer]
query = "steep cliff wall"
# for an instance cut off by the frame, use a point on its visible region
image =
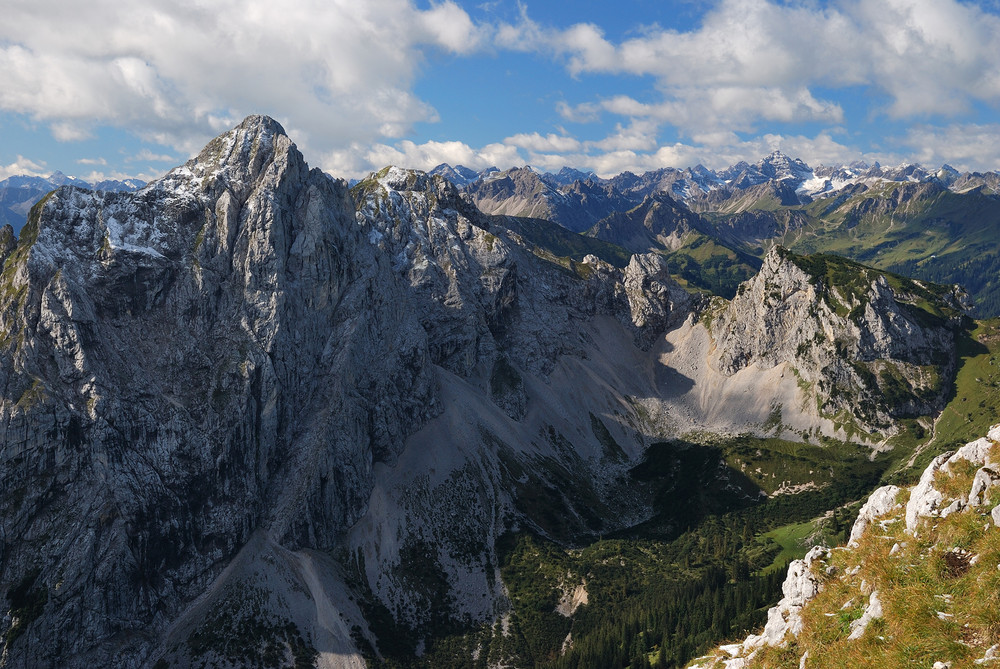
(218, 353)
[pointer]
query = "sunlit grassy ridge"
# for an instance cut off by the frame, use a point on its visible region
(939, 589)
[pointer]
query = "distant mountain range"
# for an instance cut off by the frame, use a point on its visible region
(714, 227)
(691, 182)
(19, 193)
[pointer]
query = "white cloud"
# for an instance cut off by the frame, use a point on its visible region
(333, 71)
(92, 161)
(23, 166)
(963, 146)
(430, 154)
(448, 25)
(340, 75)
(586, 112)
(759, 60)
(95, 176)
(146, 155)
(639, 135)
(543, 144)
(612, 155)
(717, 152)
(700, 110)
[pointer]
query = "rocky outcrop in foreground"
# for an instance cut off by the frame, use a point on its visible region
(916, 585)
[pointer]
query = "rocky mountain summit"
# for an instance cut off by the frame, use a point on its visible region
(208, 374)
(848, 332)
(251, 417)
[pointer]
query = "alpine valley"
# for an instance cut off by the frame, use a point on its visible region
(254, 416)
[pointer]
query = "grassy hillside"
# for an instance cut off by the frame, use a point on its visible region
(705, 264)
(916, 230)
(973, 406)
(939, 591)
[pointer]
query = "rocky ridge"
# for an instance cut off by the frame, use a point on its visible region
(207, 381)
(184, 367)
(848, 333)
(19, 193)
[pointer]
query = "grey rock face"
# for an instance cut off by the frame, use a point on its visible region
(985, 479)
(854, 350)
(655, 300)
(784, 619)
(878, 504)
(927, 501)
(219, 352)
(872, 612)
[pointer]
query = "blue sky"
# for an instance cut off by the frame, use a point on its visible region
(108, 89)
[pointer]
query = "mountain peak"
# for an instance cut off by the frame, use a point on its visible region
(242, 155)
(261, 124)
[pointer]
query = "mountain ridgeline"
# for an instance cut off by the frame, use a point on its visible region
(252, 417)
(19, 193)
(939, 226)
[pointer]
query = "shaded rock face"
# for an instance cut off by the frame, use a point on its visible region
(219, 352)
(655, 300)
(659, 222)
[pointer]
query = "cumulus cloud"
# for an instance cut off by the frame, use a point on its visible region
(340, 75)
(964, 146)
(537, 143)
(23, 166)
(430, 154)
(145, 155)
(614, 154)
(761, 60)
(721, 151)
(178, 72)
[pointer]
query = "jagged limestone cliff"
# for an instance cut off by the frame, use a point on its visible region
(835, 347)
(207, 380)
(185, 366)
